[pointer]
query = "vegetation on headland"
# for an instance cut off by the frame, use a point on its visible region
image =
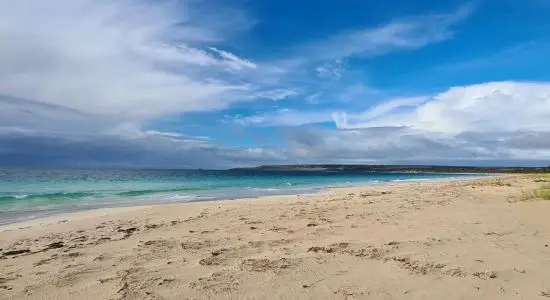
(402, 168)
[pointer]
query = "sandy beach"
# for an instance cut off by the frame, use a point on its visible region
(471, 239)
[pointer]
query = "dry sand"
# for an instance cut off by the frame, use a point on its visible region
(447, 240)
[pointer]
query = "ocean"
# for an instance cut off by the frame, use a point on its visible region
(33, 193)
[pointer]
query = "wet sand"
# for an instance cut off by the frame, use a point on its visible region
(470, 239)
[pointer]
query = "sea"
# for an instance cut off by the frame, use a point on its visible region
(27, 194)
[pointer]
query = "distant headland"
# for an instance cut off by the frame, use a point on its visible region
(398, 168)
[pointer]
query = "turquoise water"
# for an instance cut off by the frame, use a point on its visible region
(33, 193)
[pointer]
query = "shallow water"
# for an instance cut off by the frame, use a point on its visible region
(32, 193)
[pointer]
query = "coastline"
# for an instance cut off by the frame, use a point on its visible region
(469, 238)
(284, 192)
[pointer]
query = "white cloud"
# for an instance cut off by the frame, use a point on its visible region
(495, 106)
(127, 59)
(283, 117)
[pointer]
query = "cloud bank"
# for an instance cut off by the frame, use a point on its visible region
(500, 121)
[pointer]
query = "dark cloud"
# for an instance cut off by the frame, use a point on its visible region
(147, 151)
(38, 134)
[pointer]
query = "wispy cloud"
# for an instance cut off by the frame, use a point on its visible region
(390, 106)
(342, 119)
(314, 98)
(293, 117)
(331, 70)
(274, 94)
(412, 33)
(142, 60)
(282, 117)
(358, 92)
(234, 61)
(522, 54)
(130, 59)
(318, 66)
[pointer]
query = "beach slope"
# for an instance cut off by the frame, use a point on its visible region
(471, 239)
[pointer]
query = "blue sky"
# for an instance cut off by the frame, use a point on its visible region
(218, 84)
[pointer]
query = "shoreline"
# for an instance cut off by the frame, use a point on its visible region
(316, 190)
(460, 239)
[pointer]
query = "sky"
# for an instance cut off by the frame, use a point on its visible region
(228, 83)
